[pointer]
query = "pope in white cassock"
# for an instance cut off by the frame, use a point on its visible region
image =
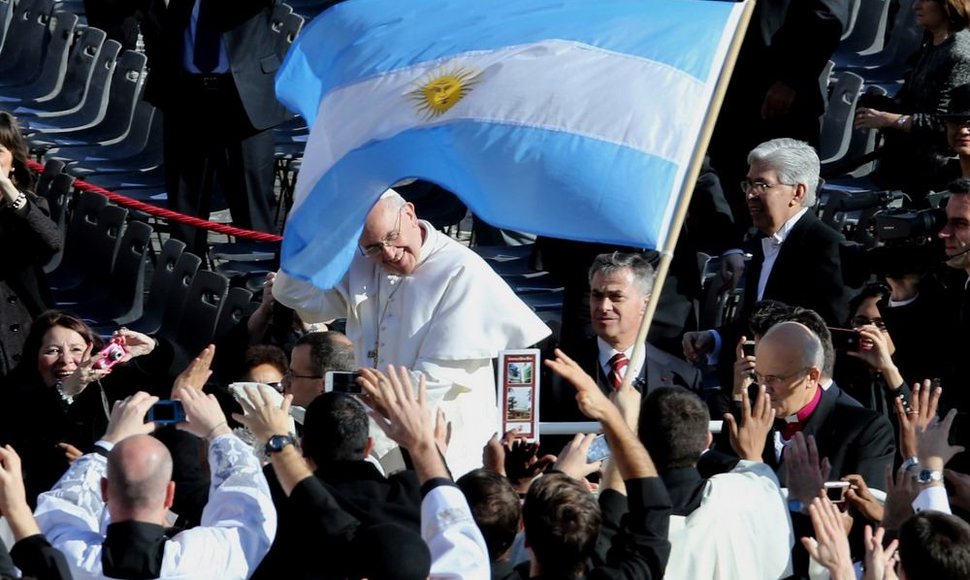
(415, 297)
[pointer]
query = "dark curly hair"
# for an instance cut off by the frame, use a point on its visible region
(13, 139)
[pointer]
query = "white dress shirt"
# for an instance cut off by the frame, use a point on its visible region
(771, 246)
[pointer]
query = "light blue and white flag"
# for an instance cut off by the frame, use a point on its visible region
(568, 118)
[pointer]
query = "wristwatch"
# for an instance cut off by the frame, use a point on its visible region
(797, 506)
(924, 476)
(277, 443)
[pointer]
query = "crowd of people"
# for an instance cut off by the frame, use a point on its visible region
(844, 408)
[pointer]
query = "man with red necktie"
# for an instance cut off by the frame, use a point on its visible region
(620, 288)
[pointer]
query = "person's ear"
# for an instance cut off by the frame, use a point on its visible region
(368, 447)
(814, 374)
(800, 190)
(643, 306)
(169, 494)
(709, 440)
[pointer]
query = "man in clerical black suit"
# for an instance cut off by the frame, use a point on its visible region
(620, 287)
(854, 439)
(213, 65)
(795, 257)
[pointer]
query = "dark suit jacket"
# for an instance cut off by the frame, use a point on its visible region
(251, 46)
(359, 490)
(660, 369)
(854, 439)
(807, 271)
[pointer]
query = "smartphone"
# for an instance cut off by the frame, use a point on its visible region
(747, 348)
(835, 490)
(599, 449)
(845, 339)
(166, 412)
(341, 382)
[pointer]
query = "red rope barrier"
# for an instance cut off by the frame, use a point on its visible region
(167, 213)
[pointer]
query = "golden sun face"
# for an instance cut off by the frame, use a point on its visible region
(442, 91)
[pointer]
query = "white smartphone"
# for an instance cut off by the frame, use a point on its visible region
(835, 490)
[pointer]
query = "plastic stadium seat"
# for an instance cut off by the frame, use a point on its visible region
(96, 257)
(58, 197)
(54, 68)
(23, 47)
(122, 300)
(81, 230)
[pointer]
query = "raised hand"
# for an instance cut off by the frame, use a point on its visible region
(830, 547)
(925, 401)
(128, 417)
(591, 400)
(198, 372)
(806, 474)
(748, 439)
(261, 416)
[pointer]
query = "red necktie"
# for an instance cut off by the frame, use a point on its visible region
(790, 428)
(617, 364)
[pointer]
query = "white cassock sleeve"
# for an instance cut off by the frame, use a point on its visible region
(311, 303)
(457, 547)
(238, 522)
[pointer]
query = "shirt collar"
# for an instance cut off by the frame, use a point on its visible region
(786, 228)
(606, 352)
(806, 412)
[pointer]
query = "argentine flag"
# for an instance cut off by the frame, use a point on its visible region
(567, 118)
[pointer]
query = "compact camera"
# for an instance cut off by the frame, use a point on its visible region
(111, 354)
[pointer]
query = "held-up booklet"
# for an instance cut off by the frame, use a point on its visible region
(518, 392)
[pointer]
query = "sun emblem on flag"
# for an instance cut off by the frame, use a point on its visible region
(442, 90)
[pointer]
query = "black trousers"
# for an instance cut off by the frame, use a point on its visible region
(209, 141)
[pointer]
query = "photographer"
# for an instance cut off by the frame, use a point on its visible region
(55, 404)
(868, 372)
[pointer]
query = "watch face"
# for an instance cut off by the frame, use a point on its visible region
(278, 442)
(928, 476)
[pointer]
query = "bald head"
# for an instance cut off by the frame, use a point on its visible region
(789, 361)
(139, 477)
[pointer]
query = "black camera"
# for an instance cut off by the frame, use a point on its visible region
(903, 224)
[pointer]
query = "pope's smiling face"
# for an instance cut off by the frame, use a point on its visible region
(392, 237)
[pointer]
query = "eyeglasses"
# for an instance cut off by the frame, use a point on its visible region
(291, 375)
(276, 386)
(392, 236)
(759, 187)
(858, 321)
(775, 380)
